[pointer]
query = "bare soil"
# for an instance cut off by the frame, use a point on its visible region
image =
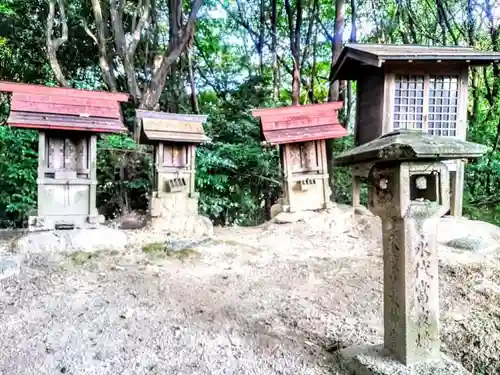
(273, 299)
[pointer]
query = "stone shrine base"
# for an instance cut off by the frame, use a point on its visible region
(178, 213)
(55, 222)
(192, 225)
(68, 241)
(374, 360)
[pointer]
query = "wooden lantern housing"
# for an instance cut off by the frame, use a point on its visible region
(411, 87)
(301, 131)
(175, 137)
(68, 121)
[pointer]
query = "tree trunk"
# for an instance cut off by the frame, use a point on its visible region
(154, 89)
(262, 26)
(352, 38)
(54, 44)
(313, 69)
(194, 99)
(294, 34)
(274, 15)
(333, 93)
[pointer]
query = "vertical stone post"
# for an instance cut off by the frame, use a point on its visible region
(410, 197)
(409, 189)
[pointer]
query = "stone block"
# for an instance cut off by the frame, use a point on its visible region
(187, 225)
(375, 360)
(173, 204)
(62, 241)
(54, 222)
(276, 209)
(9, 266)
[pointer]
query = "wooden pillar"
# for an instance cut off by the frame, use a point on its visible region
(287, 164)
(93, 175)
(42, 139)
(192, 169)
(160, 153)
(457, 189)
(355, 190)
(324, 171)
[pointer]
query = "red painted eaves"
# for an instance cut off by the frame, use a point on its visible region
(25, 88)
(301, 123)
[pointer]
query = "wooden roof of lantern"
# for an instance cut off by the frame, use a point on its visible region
(301, 123)
(58, 108)
(355, 56)
(171, 127)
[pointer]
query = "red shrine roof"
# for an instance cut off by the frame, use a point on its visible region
(301, 123)
(58, 108)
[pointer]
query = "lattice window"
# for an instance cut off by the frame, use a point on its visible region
(66, 154)
(304, 156)
(443, 105)
(408, 102)
(175, 155)
(427, 102)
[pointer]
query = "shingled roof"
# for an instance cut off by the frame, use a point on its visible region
(355, 55)
(301, 123)
(58, 108)
(171, 127)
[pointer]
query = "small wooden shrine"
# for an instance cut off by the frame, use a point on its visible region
(68, 121)
(301, 132)
(411, 87)
(175, 138)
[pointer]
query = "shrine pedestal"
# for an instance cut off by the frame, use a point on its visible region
(178, 213)
(375, 360)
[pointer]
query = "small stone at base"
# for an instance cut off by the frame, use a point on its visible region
(9, 266)
(374, 360)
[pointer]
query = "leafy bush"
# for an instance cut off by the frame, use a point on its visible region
(18, 169)
(124, 171)
(235, 181)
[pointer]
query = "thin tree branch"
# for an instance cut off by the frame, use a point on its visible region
(104, 64)
(152, 94)
(54, 44)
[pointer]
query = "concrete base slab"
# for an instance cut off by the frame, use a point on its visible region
(61, 241)
(375, 360)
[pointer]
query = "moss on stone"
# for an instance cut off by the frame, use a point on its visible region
(154, 248)
(80, 258)
(159, 250)
(183, 254)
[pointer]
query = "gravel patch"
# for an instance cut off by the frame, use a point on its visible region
(274, 299)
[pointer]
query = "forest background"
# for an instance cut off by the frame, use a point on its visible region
(222, 58)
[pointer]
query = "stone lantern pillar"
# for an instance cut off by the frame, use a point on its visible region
(409, 191)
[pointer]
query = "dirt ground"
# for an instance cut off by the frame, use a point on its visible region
(274, 299)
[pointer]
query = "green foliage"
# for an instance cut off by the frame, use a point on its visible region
(234, 181)
(18, 165)
(236, 176)
(124, 171)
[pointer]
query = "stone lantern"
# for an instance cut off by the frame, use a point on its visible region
(408, 188)
(411, 87)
